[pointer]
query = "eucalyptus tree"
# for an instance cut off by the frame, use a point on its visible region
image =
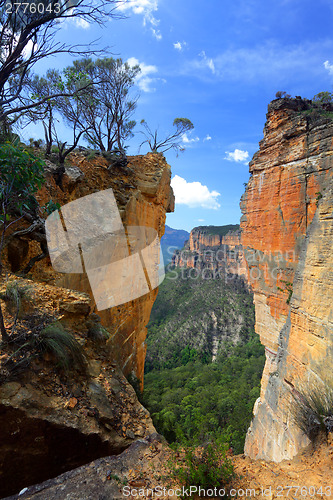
(28, 35)
(106, 107)
(172, 141)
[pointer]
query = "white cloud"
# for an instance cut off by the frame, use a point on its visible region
(180, 46)
(267, 62)
(156, 33)
(194, 194)
(201, 220)
(138, 6)
(146, 8)
(206, 61)
(238, 155)
(189, 140)
(81, 23)
(144, 80)
(207, 138)
(329, 67)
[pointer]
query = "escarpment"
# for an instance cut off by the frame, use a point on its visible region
(216, 249)
(287, 236)
(55, 419)
(143, 194)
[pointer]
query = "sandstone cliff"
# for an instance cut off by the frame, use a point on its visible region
(287, 235)
(53, 421)
(143, 194)
(213, 248)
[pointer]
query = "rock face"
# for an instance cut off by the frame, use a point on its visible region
(143, 194)
(287, 235)
(213, 248)
(111, 478)
(53, 420)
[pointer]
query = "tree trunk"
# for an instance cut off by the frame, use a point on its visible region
(4, 334)
(3, 331)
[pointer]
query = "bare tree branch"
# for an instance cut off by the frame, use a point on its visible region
(26, 38)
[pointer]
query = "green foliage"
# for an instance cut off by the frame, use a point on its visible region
(319, 197)
(21, 175)
(312, 409)
(51, 206)
(218, 230)
(198, 401)
(207, 467)
(181, 326)
(67, 351)
(15, 292)
(92, 154)
(104, 108)
(323, 98)
(320, 107)
(191, 399)
(289, 289)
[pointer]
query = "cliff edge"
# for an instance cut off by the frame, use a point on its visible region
(287, 235)
(53, 417)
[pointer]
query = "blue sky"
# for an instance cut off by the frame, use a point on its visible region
(218, 63)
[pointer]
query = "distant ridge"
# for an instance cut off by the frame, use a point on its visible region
(219, 230)
(173, 239)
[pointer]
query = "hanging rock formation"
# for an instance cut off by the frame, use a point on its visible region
(287, 235)
(51, 420)
(143, 194)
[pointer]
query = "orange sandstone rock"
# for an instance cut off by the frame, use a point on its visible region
(287, 238)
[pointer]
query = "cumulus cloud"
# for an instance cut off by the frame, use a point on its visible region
(143, 79)
(180, 46)
(194, 194)
(189, 140)
(329, 67)
(238, 155)
(146, 8)
(207, 138)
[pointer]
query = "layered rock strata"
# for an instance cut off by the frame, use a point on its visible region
(143, 194)
(287, 236)
(206, 251)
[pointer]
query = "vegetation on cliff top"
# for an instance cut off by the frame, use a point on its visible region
(217, 230)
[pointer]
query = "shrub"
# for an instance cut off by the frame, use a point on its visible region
(323, 98)
(14, 294)
(282, 95)
(66, 350)
(312, 409)
(208, 467)
(318, 198)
